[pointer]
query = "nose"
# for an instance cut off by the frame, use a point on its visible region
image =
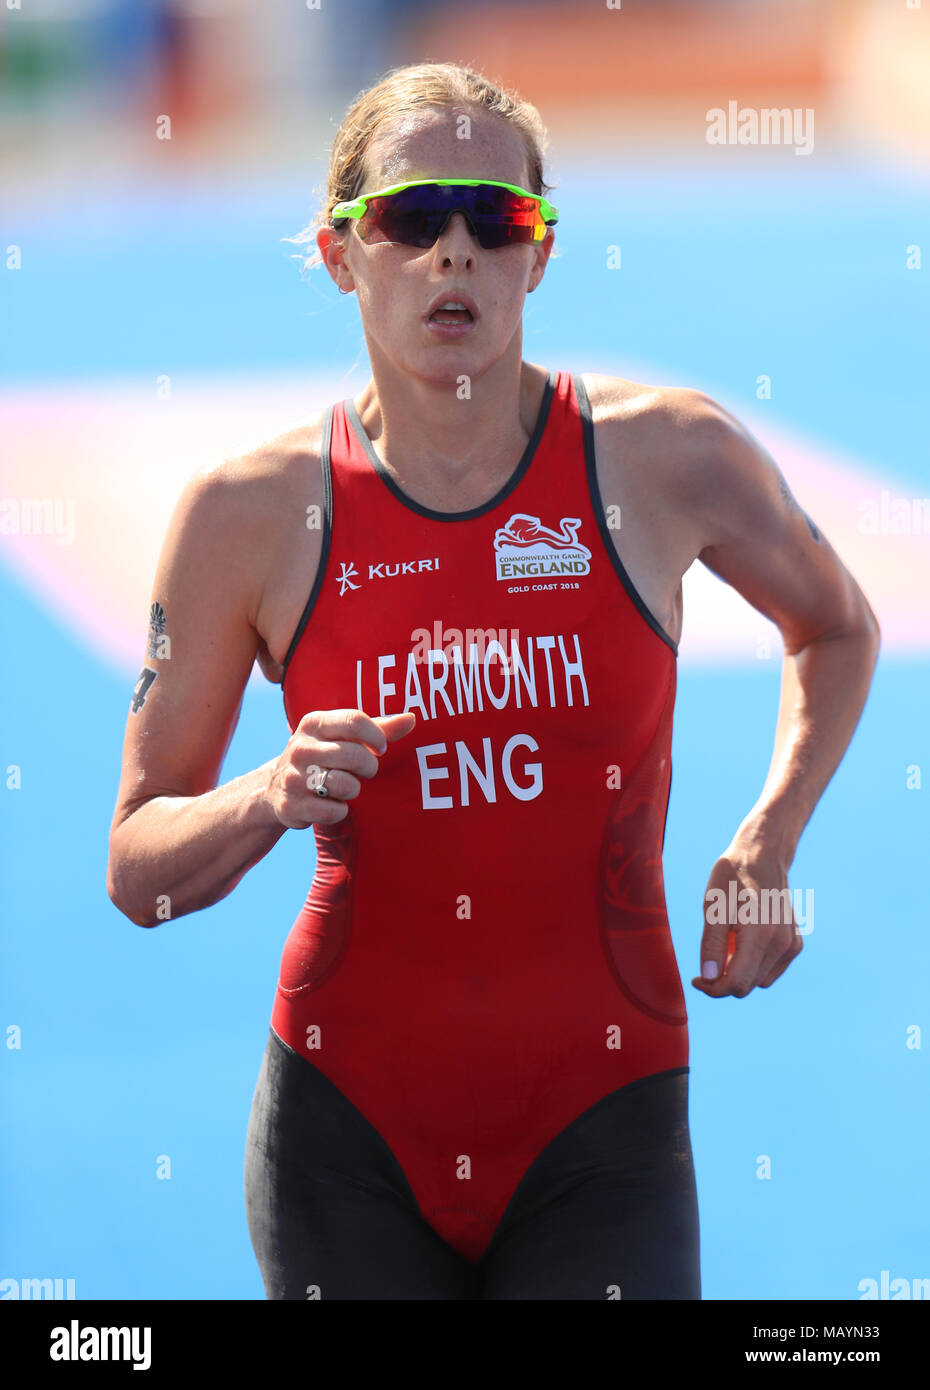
(457, 235)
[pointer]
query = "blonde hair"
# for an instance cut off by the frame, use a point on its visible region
(401, 91)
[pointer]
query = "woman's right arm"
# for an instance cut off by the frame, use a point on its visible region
(179, 842)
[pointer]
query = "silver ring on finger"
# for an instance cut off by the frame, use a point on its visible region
(321, 789)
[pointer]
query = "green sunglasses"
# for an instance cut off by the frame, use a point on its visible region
(415, 213)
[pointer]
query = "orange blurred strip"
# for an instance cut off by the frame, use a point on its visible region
(564, 53)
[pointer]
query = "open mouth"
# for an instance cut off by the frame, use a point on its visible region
(451, 316)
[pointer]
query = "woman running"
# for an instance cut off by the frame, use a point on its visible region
(476, 1077)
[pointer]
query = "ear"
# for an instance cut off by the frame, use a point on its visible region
(543, 252)
(333, 247)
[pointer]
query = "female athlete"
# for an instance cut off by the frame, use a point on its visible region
(476, 1077)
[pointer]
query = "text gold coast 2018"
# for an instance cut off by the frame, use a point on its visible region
(462, 687)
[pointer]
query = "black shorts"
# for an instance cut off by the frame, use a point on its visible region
(607, 1210)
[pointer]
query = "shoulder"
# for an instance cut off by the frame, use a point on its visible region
(680, 416)
(694, 446)
(261, 468)
(237, 517)
(245, 491)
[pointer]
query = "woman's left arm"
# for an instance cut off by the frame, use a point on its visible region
(754, 535)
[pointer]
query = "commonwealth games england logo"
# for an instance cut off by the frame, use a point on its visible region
(524, 547)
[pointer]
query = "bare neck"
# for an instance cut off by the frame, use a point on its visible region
(452, 442)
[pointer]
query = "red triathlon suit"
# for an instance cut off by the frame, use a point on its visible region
(485, 949)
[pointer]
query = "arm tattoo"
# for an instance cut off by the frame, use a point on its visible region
(157, 624)
(155, 651)
(791, 504)
(786, 496)
(146, 677)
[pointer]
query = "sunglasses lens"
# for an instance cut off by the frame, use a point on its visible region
(401, 217)
(415, 216)
(503, 218)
